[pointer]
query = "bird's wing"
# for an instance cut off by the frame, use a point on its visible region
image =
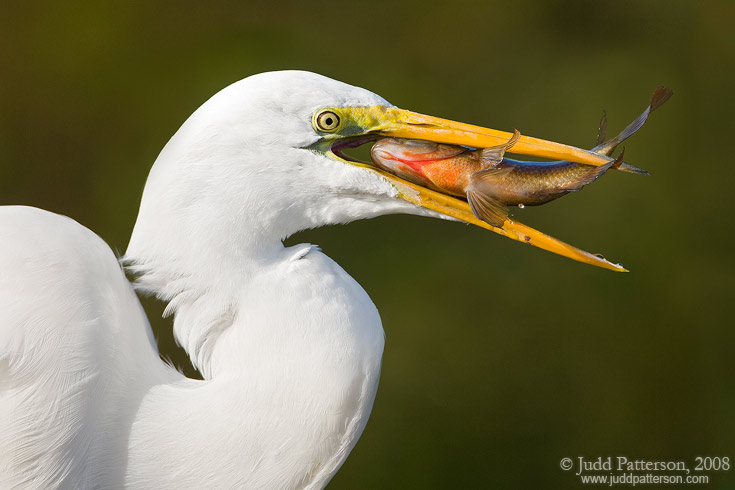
(73, 336)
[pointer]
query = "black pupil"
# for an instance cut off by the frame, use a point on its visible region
(328, 121)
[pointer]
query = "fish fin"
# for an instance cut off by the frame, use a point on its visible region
(632, 169)
(602, 129)
(492, 156)
(619, 164)
(480, 197)
(618, 161)
(660, 96)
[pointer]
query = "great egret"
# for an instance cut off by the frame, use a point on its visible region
(289, 345)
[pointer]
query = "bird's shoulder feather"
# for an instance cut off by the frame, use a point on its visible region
(64, 304)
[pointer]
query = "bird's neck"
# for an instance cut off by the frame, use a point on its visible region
(192, 250)
(293, 359)
(204, 296)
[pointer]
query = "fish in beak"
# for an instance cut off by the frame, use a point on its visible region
(489, 181)
(348, 127)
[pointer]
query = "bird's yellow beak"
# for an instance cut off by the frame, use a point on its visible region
(399, 123)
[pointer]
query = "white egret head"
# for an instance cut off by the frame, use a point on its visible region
(247, 170)
(261, 160)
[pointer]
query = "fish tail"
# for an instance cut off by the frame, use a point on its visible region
(619, 164)
(660, 95)
(632, 169)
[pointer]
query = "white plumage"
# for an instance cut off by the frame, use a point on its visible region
(288, 343)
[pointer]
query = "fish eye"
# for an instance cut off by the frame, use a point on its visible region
(327, 121)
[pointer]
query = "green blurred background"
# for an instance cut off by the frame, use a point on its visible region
(501, 359)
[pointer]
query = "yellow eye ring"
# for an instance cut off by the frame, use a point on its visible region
(327, 121)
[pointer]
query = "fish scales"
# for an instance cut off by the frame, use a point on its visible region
(489, 181)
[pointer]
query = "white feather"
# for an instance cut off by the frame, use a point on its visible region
(288, 343)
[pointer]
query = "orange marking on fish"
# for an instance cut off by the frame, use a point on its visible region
(415, 163)
(491, 182)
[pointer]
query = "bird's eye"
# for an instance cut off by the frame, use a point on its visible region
(327, 121)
